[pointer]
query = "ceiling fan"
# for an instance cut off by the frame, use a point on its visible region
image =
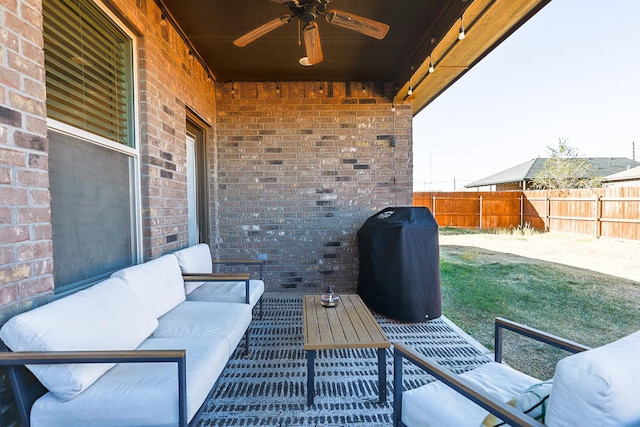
(307, 11)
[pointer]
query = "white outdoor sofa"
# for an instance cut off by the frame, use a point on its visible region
(85, 349)
(593, 387)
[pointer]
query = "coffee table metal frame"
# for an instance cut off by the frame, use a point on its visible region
(349, 325)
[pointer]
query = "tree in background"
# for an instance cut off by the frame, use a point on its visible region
(564, 169)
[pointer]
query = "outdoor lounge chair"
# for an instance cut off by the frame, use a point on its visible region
(593, 387)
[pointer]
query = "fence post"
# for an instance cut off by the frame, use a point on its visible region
(433, 207)
(547, 213)
(480, 225)
(598, 215)
(521, 211)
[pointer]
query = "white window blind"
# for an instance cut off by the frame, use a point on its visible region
(88, 70)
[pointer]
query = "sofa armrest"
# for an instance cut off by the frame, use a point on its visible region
(13, 359)
(535, 334)
(502, 410)
(216, 277)
(248, 262)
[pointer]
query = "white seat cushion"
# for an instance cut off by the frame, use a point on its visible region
(140, 394)
(599, 387)
(158, 283)
(220, 320)
(228, 292)
(106, 316)
(437, 405)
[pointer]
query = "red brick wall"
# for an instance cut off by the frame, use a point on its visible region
(25, 231)
(170, 80)
(297, 174)
(299, 171)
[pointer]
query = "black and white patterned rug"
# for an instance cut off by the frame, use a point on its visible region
(268, 387)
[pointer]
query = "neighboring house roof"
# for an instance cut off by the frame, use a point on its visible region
(515, 174)
(527, 171)
(626, 175)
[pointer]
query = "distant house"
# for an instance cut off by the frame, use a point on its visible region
(520, 177)
(626, 178)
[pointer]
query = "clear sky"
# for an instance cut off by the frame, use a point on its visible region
(572, 71)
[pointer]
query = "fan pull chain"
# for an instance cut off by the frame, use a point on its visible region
(299, 34)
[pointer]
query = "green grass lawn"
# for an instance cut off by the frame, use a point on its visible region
(587, 307)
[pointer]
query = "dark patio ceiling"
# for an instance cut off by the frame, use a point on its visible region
(418, 28)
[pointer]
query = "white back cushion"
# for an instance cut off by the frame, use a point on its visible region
(196, 259)
(158, 283)
(599, 387)
(106, 316)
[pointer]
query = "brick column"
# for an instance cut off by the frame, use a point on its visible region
(26, 262)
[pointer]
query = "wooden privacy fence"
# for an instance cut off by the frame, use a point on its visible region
(608, 212)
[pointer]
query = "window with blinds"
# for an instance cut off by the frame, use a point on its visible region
(92, 157)
(88, 70)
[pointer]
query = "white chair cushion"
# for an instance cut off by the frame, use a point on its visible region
(158, 283)
(194, 319)
(228, 292)
(437, 405)
(196, 259)
(599, 387)
(106, 316)
(140, 394)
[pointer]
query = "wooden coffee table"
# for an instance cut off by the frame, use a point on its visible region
(349, 325)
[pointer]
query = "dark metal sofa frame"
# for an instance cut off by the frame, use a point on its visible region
(27, 389)
(501, 410)
(218, 277)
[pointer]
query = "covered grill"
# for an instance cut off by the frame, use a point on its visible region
(400, 264)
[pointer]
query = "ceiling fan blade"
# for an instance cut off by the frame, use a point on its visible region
(357, 23)
(312, 43)
(263, 29)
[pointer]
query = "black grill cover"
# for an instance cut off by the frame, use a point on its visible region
(400, 264)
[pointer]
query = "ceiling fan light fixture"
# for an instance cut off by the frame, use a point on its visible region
(307, 13)
(304, 61)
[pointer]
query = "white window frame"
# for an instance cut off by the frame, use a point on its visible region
(133, 152)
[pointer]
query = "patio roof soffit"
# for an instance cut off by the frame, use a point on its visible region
(487, 23)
